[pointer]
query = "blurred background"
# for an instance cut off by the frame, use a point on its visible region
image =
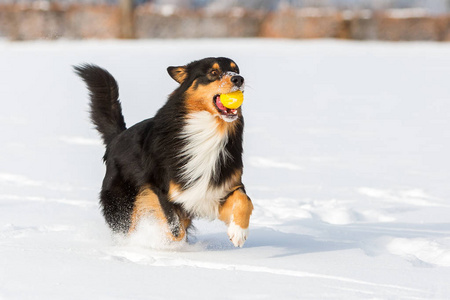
(390, 20)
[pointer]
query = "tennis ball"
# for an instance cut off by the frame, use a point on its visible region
(232, 100)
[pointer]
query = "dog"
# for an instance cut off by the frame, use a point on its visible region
(182, 164)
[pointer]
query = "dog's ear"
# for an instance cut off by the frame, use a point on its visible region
(179, 74)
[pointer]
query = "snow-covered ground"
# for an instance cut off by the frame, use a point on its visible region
(346, 159)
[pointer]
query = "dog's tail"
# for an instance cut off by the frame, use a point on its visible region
(106, 111)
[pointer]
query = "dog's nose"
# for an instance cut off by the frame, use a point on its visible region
(237, 80)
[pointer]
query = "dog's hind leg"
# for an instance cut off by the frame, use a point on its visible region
(235, 212)
(174, 222)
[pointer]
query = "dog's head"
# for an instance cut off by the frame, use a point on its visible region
(203, 81)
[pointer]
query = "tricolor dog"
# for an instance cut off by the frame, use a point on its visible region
(185, 162)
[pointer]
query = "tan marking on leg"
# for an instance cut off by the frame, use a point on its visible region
(226, 210)
(174, 191)
(185, 220)
(237, 208)
(147, 204)
(182, 232)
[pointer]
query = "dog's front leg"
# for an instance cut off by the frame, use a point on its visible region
(235, 212)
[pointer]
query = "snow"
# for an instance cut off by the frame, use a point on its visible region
(346, 161)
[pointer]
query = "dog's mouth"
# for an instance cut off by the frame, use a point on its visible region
(227, 114)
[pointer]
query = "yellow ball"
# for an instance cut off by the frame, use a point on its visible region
(232, 100)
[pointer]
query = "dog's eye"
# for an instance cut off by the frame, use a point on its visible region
(213, 75)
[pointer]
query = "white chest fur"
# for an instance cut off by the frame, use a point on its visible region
(205, 146)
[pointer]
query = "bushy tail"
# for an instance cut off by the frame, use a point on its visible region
(106, 111)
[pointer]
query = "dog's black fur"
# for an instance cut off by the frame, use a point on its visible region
(148, 153)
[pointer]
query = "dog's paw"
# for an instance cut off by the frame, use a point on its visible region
(237, 234)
